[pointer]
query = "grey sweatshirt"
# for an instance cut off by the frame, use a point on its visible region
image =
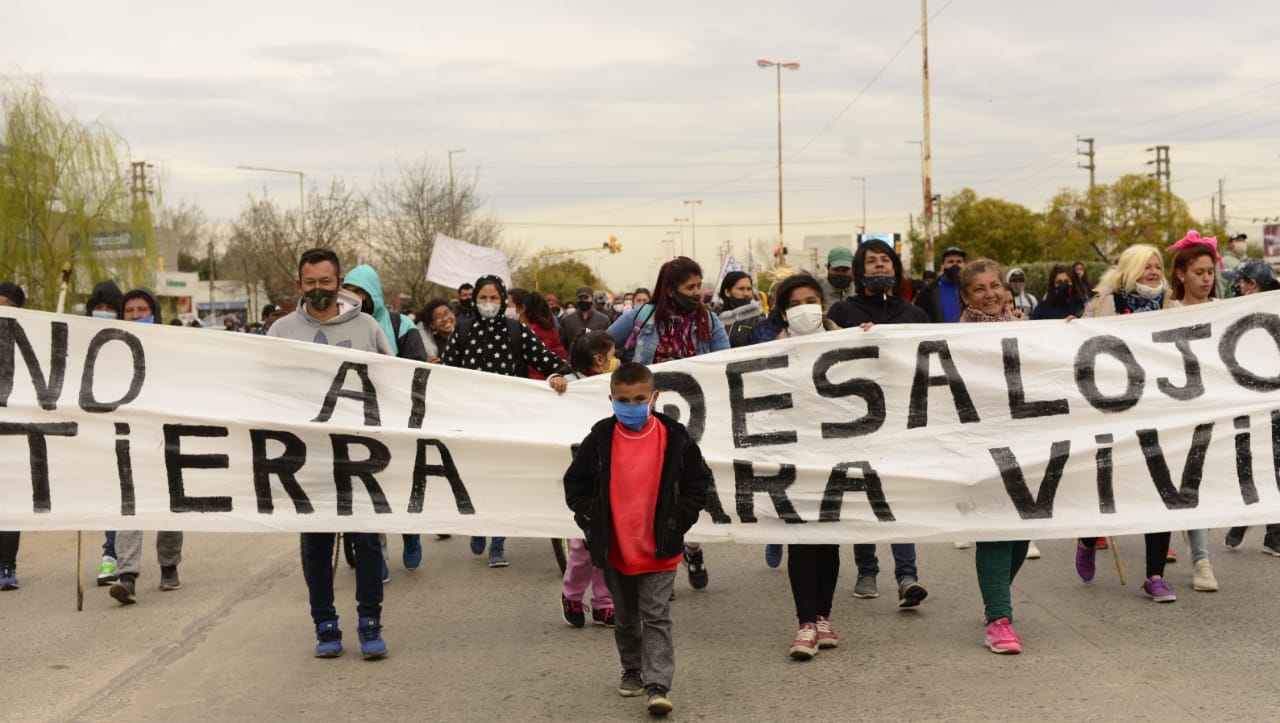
(350, 328)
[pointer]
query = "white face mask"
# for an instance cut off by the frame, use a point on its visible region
(617, 307)
(511, 313)
(105, 315)
(488, 311)
(805, 319)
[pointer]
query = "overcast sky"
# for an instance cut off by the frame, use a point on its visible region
(581, 120)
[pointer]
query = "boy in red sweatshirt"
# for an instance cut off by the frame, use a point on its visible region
(636, 485)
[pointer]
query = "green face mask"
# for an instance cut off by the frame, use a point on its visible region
(320, 299)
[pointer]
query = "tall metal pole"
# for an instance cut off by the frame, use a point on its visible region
(926, 148)
(302, 195)
(864, 201)
(778, 67)
(693, 225)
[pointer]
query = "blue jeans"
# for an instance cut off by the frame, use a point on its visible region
(109, 544)
(904, 561)
(317, 570)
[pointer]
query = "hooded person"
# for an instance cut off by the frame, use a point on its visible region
(106, 301)
(131, 307)
(1016, 281)
(877, 281)
(12, 295)
(500, 344)
(400, 331)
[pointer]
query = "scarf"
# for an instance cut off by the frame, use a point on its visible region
(676, 336)
(1134, 302)
(971, 314)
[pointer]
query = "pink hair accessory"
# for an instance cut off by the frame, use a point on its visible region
(1192, 238)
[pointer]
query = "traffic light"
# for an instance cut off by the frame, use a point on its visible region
(614, 246)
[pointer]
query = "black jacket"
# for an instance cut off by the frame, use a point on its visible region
(682, 492)
(857, 310)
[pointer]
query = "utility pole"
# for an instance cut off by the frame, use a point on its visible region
(1162, 171)
(1222, 203)
(926, 148)
(693, 225)
(1088, 154)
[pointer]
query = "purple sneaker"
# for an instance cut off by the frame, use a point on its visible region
(1085, 557)
(1158, 590)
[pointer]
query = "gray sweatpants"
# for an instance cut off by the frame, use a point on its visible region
(642, 626)
(129, 550)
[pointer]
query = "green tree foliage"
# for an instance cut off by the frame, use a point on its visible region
(65, 196)
(989, 227)
(1112, 217)
(562, 278)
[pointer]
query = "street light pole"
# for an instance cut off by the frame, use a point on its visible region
(864, 201)
(779, 66)
(693, 225)
(682, 222)
(453, 203)
(302, 196)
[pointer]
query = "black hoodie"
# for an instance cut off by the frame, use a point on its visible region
(859, 308)
(142, 293)
(106, 292)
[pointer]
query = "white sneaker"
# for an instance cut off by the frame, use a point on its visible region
(962, 545)
(1202, 578)
(1033, 552)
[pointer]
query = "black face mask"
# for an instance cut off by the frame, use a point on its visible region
(686, 302)
(366, 306)
(1063, 291)
(839, 281)
(320, 299)
(731, 303)
(583, 306)
(878, 285)
(951, 272)
(467, 303)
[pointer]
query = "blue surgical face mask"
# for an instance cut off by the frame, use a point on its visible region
(146, 320)
(632, 416)
(104, 315)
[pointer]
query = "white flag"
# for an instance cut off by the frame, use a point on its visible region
(454, 263)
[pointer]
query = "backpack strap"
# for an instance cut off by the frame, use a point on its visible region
(640, 322)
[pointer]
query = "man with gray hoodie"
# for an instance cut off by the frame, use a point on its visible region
(328, 314)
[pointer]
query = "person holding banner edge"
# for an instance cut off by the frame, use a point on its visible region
(674, 325)
(10, 295)
(982, 295)
(500, 344)
(1134, 285)
(328, 314)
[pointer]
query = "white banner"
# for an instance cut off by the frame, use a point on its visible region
(1159, 421)
(454, 263)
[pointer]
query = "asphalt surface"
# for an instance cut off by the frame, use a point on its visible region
(472, 643)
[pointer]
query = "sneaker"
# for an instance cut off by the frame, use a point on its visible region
(328, 639)
(169, 578)
(1033, 552)
(1158, 590)
(962, 545)
(1235, 537)
(412, 556)
(631, 684)
(386, 573)
(1170, 555)
(773, 555)
(1001, 639)
(372, 645)
(805, 646)
(497, 556)
(827, 635)
(603, 616)
(123, 590)
(571, 611)
(865, 587)
(1272, 548)
(698, 577)
(8, 577)
(911, 593)
(657, 700)
(1102, 544)
(107, 571)
(1202, 578)
(441, 536)
(477, 545)
(1086, 561)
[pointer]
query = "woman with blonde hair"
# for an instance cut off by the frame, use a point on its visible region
(1134, 285)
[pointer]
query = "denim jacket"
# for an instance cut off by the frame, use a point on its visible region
(646, 343)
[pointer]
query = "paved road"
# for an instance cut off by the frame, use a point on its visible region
(470, 643)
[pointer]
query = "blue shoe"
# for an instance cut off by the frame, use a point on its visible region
(8, 577)
(328, 639)
(372, 646)
(412, 552)
(773, 555)
(477, 545)
(497, 556)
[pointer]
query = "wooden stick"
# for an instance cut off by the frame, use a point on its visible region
(1115, 552)
(79, 571)
(337, 550)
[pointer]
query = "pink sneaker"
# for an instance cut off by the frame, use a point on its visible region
(1001, 638)
(827, 636)
(805, 646)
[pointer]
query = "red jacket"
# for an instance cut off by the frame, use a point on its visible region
(551, 339)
